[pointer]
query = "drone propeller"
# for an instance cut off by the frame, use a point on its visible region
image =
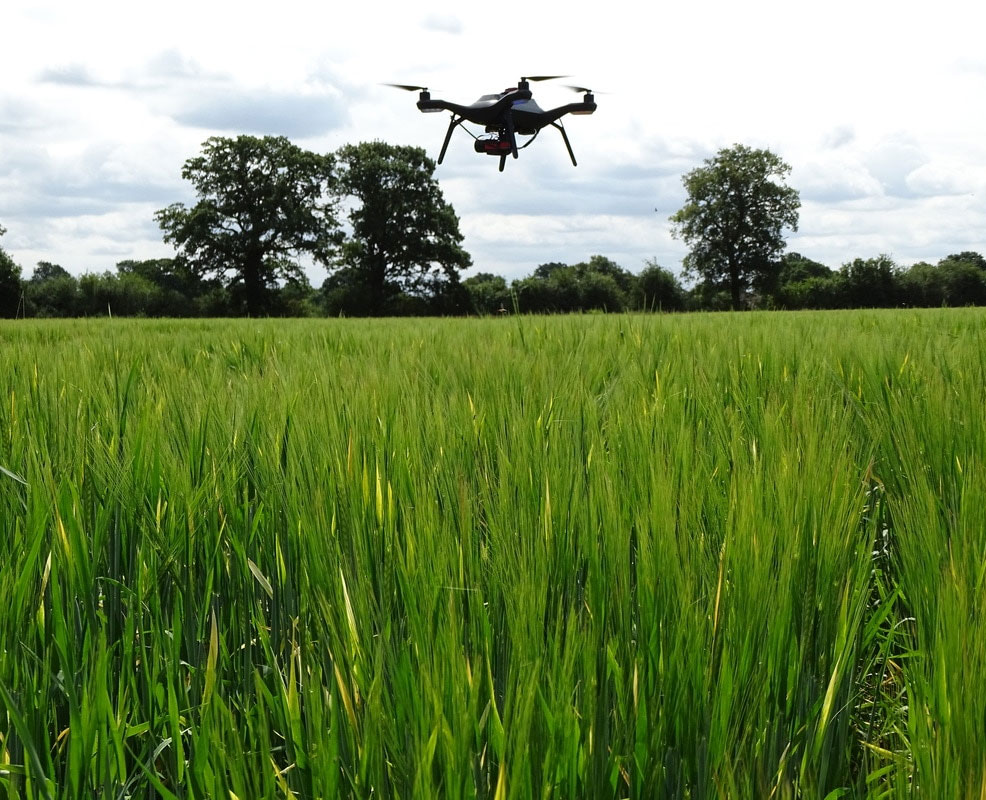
(406, 87)
(583, 90)
(543, 77)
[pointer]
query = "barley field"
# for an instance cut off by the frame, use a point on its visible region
(703, 556)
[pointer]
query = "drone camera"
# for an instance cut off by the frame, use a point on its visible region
(492, 146)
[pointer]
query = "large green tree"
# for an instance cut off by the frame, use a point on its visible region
(10, 283)
(263, 203)
(404, 235)
(738, 206)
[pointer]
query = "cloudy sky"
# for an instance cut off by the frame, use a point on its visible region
(878, 107)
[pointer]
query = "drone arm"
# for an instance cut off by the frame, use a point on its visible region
(480, 112)
(571, 108)
(456, 121)
(568, 144)
(430, 106)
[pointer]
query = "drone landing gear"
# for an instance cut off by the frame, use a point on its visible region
(511, 135)
(568, 144)
(456, 121)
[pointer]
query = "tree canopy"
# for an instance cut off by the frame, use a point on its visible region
(262, 204)
(404, 235)
(598, 284)
(660, 288)
(47, 271)
(737, 209)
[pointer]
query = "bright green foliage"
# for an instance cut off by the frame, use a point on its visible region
(737, 209)
(581, 557)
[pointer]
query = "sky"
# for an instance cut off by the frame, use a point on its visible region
(878, 107)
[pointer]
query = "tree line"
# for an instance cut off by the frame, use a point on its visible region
(167, 288)
(374, 216)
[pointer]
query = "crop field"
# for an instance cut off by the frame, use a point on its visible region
(703, 556)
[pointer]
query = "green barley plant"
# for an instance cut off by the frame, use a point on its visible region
(703, 556)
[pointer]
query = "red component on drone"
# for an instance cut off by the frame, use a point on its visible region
(493, 147)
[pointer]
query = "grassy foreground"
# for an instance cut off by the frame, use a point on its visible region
(581, 557)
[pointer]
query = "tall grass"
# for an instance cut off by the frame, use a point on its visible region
(636, 556)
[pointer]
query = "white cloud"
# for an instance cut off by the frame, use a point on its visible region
(945, 177)
(264, 112)
(443, 23)
(834, 179)
(839, 136)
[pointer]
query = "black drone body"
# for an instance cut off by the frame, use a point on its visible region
(505, 116)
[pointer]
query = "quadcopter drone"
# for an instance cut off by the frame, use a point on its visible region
(504, 116)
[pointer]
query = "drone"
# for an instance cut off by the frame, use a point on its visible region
(505, 116)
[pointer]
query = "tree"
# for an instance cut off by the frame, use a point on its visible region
(736, 211)
(262, 204)
(660, 289)
(963, 282)
(963, 278)
(795, 267)
(405, 237)
(10, 283)
(872, 282)
(921, 286)
(179, 290)
(800, 282)
(488, 293)
(625, 280)
(559, 292)
(599, 291)
(54, 297)
(965, 257)
(535, 295)
(598, 284)
(46, 271)
(545, 271)
(815, 291)
(297, 298)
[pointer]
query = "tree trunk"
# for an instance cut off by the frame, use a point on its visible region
(253, 286)
(378, 284)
